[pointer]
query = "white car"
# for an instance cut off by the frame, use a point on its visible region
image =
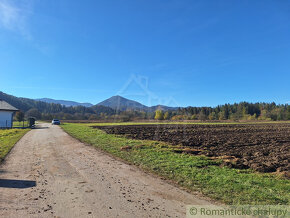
(55, 122)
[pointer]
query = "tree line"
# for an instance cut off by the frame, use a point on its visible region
(237, 111)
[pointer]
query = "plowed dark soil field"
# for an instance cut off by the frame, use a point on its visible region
(262, 147)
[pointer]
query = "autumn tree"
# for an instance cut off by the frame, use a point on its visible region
(166, 116)
(158, 115)
(212, 116)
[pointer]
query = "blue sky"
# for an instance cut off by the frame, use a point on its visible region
(175, 52)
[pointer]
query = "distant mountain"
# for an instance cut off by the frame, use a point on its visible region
(120, 103)
(25, 104)
(64, 102)
(162, 107)
(50, 106)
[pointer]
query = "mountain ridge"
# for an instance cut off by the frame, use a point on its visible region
(66, 103)
(120, 103)
(117, 103)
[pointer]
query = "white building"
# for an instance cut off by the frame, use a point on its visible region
(6, 114)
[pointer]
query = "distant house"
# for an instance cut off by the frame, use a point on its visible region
(6, 114)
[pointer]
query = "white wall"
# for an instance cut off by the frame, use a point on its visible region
(6, 119)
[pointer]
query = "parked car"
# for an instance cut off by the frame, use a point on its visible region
(55, 122)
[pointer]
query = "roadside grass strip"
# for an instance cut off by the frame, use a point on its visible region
(8, 138)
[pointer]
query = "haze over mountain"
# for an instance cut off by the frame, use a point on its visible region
(51, 105)
(120, 103)
(118, 108)
(64, 102)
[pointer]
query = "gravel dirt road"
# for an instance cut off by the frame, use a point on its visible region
(50, 174)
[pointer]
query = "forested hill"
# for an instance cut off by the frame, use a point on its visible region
(64, 102)
(121, 104)
(24, 104)
(45, 110)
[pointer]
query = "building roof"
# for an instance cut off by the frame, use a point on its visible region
(4, 106)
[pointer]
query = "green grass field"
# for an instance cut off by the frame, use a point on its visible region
(8, 137)
(196, 173)
(20, 124)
